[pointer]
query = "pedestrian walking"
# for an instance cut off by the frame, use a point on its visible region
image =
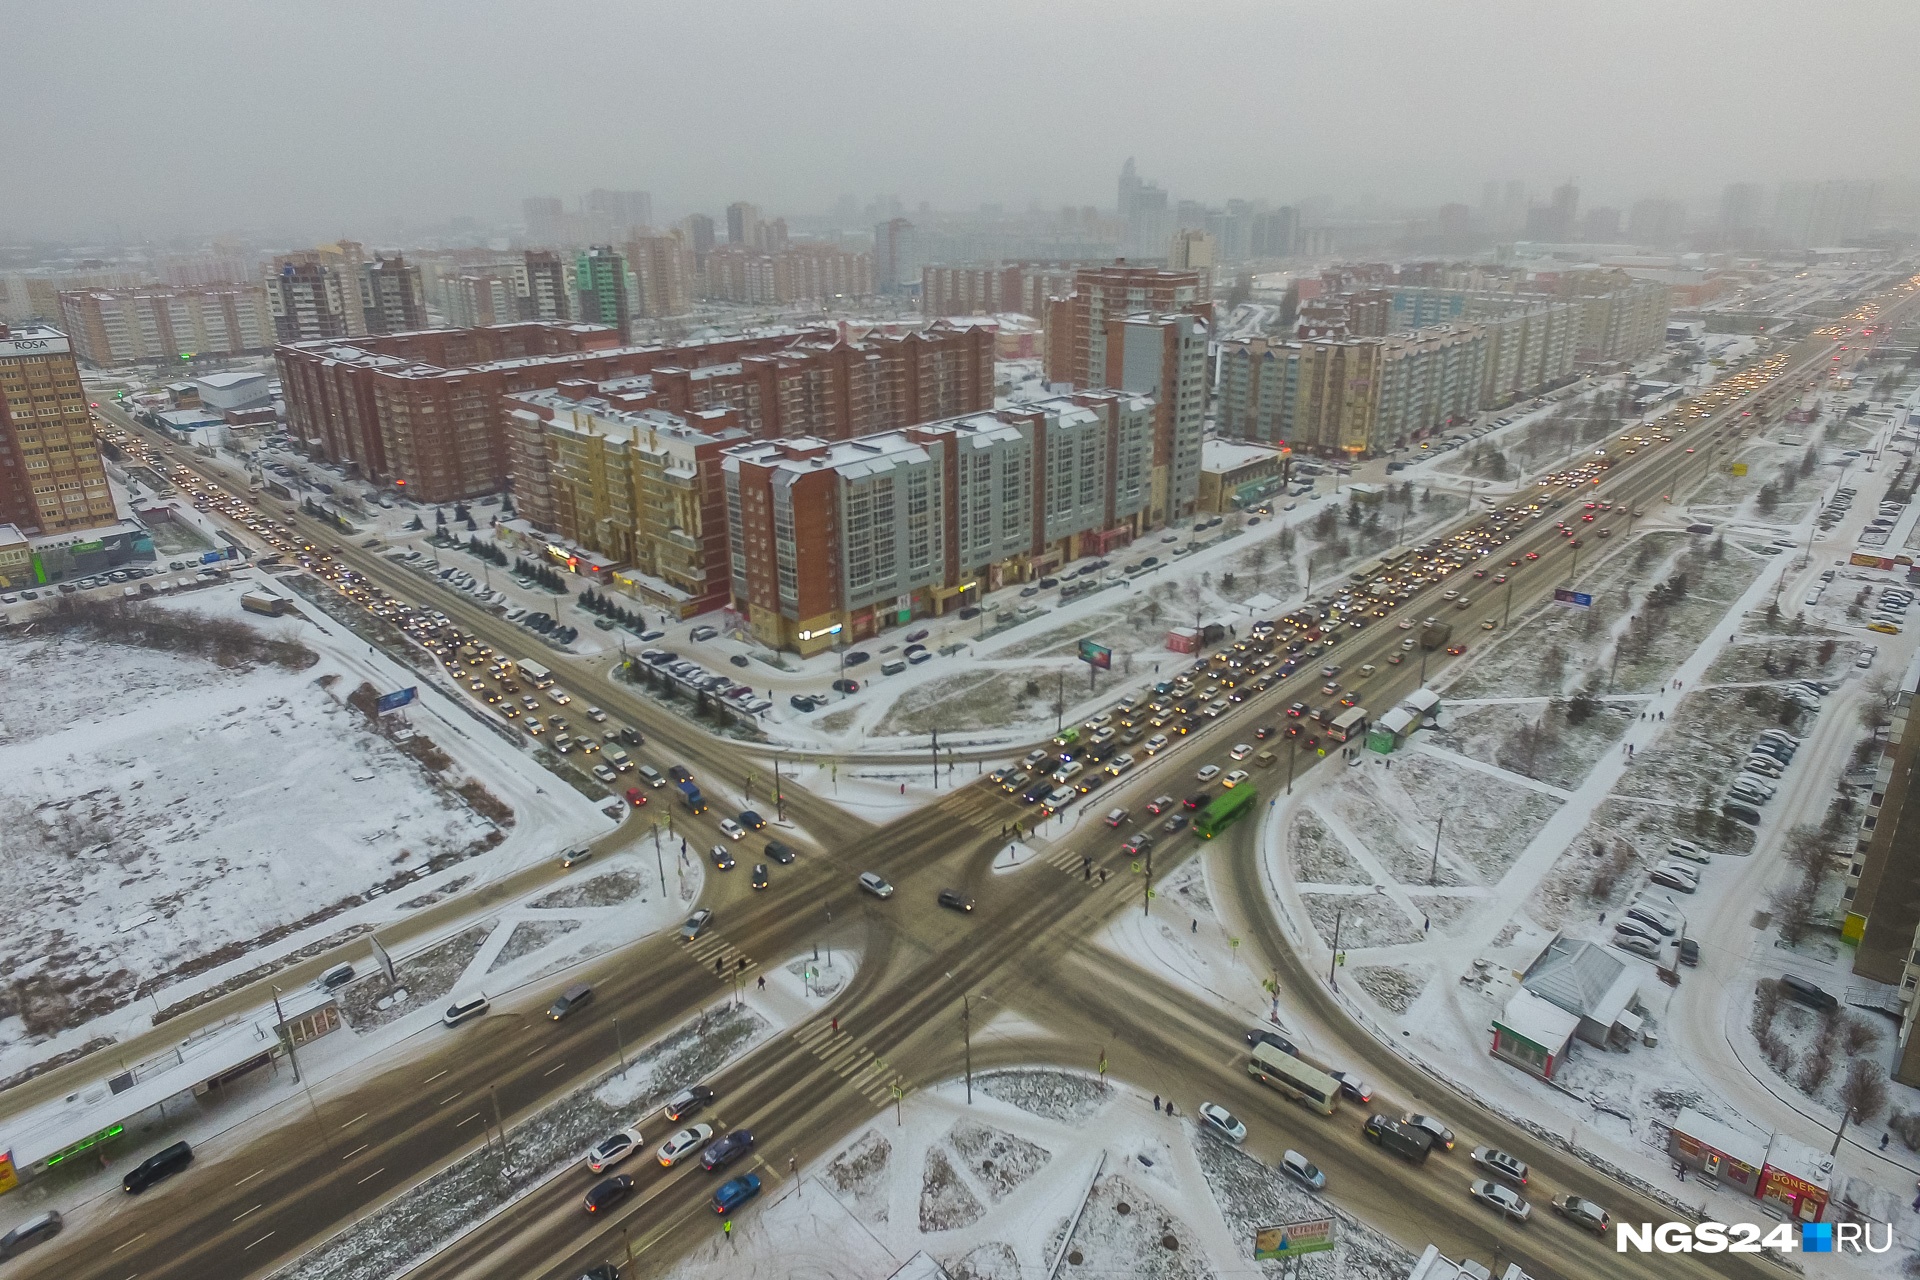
(1156, 1102)
(834, 1025)
(1195, 928)
(1883, 1141)
(763, 982)
(727, 1227)
(1103, 875)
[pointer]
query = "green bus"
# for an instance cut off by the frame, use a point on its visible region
(1223, 809)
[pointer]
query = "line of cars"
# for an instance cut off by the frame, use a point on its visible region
(716, 1151)
(696, 679)
(1754, 783)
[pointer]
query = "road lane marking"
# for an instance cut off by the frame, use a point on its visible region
(249, 1178)
(261, 1240)
(356, 1120)
(469, 1120)
(136, 1240)
(376, 1173)
(435, 1076)
(449, 1098)
(356, 1151)
(536, 1049)
(550, 1070)
(255, 1209)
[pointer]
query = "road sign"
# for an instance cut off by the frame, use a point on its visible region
(1096, 655)
(1292, 1239)
(398, 698)
(1578, 599)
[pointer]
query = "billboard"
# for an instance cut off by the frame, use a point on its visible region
(1578, 599)
(1096, 655)
(1292, 1239)
(398, 698)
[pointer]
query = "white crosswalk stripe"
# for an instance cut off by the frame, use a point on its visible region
(852, 1061)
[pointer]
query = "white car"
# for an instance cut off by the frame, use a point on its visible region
(875, 885)
(1235, 778)
(1156, 744)
(1240, 751)
(683, 1143)
(1505, 1199)
(1120, 764)
(731, 829)
(1209, 773)
(1222, 1121)
(596, 714)
(609, 1152)
(560, 696)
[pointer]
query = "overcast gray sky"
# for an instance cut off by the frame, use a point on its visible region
(183, 115)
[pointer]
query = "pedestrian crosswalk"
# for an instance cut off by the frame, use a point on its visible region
(721, 958)
(853, 1062)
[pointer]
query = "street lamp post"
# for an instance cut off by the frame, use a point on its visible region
(1292, 756)
(1334, 958)
(1506, 610)
(1433, 869)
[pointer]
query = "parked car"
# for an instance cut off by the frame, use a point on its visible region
(1796, 988)
(38, 1229)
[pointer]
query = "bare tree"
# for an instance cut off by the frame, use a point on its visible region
(1793, 909)
(1864, 1090)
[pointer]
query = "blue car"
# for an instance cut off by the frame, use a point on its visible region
(732, 1195)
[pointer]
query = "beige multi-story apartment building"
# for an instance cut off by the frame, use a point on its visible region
(640, 487)
(994, 289)
(662, 268)
(51, 477)
(161, 323)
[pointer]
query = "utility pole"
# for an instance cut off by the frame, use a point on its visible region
(1506, 611)
(1334, 959)
(1060, 702)
(1433, 869)
(1841, 1131)
(936, 758)
(779, 794)
(966, 1030)
(279, 1026)
(658, 861)
(1146, 886)
(1292, 756)
(619, 1044)
(506, 1153)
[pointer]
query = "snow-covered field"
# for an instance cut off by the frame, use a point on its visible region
(164, 814)
(1045, 1170)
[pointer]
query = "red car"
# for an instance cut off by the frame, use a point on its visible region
(636, 797)
(1456, 649)
(1533, 555)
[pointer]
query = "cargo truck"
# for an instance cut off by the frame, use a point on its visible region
(690, 792)
(1434, 633)
(1405, 1141)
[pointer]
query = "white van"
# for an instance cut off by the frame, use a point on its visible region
(893, 668)
(652, 776)
(619, 759)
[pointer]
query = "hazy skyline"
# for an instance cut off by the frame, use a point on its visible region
(171, 117)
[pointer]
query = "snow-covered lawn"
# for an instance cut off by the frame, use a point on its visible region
(165, 814)
(1045, 1169)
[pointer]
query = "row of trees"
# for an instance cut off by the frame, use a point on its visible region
(1863, 1090)
(598, 602)
(547, 578)
(488, 551)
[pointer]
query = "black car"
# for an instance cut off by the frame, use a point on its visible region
(857, 657)
(800, 702)
(1037, 792)
(686, 1102)
(846, 686)
(1264, 732)
(760, 875)
(1198, 800)
(605, 1271)
(738, 659)
(629, 737)
(609, 1193)
(955, 900)
(1257, 1037)
(969, 612)
(723, 1151)
(1045, 583)
(157, 1168)
(780, 852)
(1177, 822)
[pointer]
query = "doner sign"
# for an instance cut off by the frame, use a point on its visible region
(1290, 1240)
